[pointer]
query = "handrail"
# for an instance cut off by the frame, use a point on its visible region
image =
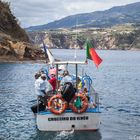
(69, 62)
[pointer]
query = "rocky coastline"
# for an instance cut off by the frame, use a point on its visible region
(14, 41)
(122, 37)
(17, 45)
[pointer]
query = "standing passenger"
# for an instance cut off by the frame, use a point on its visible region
(42, 87)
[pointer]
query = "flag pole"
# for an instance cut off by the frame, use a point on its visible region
(45, 51)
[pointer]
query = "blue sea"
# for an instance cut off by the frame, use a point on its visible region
(117, 80)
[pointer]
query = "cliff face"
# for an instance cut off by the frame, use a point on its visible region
(14, 42)
(119, 38)
(8, 24)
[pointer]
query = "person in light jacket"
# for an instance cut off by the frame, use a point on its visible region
(66, 78)
(42, 87)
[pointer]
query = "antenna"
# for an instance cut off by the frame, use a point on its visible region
(75, 54)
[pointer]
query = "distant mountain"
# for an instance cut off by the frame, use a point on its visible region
(117, 15)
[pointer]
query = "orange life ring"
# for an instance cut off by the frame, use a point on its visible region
(57, 104)
(84, 103)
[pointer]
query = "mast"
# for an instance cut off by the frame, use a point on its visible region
(76, 68)
(75, 54)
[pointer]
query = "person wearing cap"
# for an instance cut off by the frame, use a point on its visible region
(44, 71)
(42, 86)
(61, 70)
(66, 78)
(37, 75)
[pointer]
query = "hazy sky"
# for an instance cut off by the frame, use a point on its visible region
(38, 12)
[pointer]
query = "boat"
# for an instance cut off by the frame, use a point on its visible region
(89, 119)
(61, 115)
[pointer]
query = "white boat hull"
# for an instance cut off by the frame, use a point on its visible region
(68, 121)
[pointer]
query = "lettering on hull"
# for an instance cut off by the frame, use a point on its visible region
(68, 118)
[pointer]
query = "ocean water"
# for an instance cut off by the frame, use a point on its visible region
(117, 81)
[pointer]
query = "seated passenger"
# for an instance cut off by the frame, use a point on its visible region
(61, 70)
(53, 79)
(79, 83)
(66, 78)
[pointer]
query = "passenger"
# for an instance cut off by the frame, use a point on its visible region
(42, 88)
(53, 79)
(66, 78)
(61, 70)
(79, 83)
(66, 87)
(44, 71)
(37, 75)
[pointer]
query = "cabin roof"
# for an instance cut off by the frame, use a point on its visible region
(70, 62)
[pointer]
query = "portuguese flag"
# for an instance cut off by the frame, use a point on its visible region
(91, 53)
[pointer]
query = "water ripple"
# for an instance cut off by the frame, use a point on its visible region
(117, 81)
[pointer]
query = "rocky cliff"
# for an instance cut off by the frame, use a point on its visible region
(14, 42)
(121, 37)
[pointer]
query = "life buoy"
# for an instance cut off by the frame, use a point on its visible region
(57, 104)
(84, 103)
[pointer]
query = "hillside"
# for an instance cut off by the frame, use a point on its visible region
(117, 15)
(123, 37)
(14, 42)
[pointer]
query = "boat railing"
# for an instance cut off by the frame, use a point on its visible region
(94, 95)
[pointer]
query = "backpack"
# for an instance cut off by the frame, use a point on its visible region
(68, 91)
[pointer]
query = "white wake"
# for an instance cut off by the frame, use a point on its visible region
(64, 135)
